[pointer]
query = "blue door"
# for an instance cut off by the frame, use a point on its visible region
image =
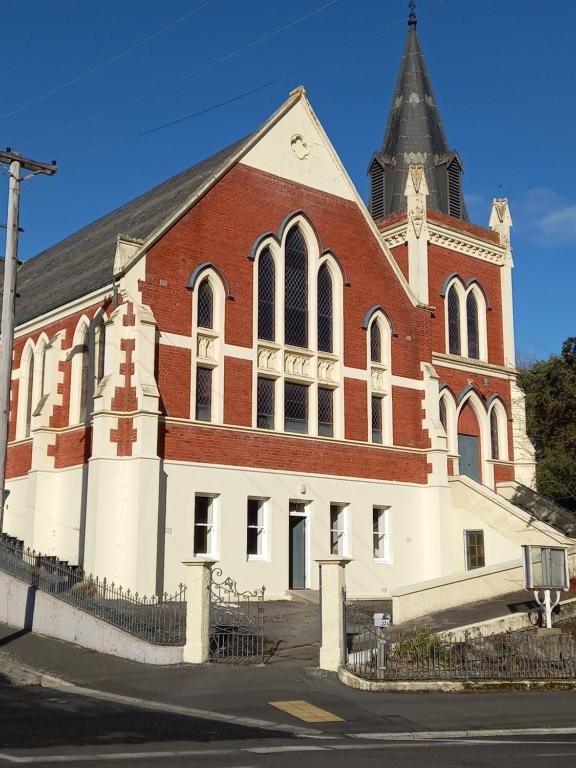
(297, 552)
(468, 449)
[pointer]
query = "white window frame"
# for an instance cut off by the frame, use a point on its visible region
(210, 525)
(502, 420)
(262, 529)
(383, 555)
(342, 530)
(27, 352)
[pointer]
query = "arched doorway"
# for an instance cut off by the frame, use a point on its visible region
(469, 443)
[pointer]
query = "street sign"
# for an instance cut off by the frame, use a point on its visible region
(546, 568)
(382, 620)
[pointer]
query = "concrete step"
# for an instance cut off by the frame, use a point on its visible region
(311, 596)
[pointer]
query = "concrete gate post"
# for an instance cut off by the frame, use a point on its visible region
(196, 649)
(332, 595)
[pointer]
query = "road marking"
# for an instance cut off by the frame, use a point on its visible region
(416, 735)
(305, 711)
(202, 714)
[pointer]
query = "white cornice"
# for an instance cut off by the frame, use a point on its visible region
(466, 244)
(472, 366)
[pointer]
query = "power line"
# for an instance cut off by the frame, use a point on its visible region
(249, 92)
(180, 79)
(105, 63)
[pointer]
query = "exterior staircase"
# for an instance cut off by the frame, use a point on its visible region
(539, 507)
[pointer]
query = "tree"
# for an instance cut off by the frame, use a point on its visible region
(550, 388)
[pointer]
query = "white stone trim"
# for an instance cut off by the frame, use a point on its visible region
(466, 244)
(470, 365)
(64, 311)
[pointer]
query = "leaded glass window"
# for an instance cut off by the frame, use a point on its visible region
(296, 290)
(376, 419)
(266, 296)
(265, 404)
(29, 396)
(494, 437)
(84, 376)
(204, 394)
(375, 343)
(325, 412)
(324, 309)
(101, 350)
(295, 407)
(205, 316)
(443, 414)
(453, 321)
(472, 325)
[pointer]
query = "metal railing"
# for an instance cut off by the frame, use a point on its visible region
(387, 654)
(158, 620)
(236, 622)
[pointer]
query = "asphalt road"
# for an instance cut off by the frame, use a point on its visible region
(44, 726)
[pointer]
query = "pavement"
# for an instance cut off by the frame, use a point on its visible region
(61, 704)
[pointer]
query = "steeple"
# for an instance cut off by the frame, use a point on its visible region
(414, 135)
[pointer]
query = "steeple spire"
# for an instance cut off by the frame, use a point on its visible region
(414, 135)
(412, 14)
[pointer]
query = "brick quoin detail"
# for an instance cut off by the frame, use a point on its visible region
(71, 448)
(125, 398)
(123, 436)
(189, 442)
(19, 459)
(129, 318)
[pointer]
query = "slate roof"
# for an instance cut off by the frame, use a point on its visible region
(84, 261)
(414, 133)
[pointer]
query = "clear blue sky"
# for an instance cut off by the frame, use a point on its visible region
(503, 74)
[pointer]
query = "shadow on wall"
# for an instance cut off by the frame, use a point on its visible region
(28, 618)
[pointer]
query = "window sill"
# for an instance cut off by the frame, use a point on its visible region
(382, 561)
(257, 559)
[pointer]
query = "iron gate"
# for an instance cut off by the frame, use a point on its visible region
(236, 622)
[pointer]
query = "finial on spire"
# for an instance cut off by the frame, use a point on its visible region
(412, 13)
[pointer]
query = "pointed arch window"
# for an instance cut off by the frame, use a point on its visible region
(375, 343)
(472, 326)
(325, 341)
(29, 396)
(266, 296)
(494, 434)
(205, 316)
(454, 346)
(296, 289)
(100, 368)
(443, 414)
(84, 376)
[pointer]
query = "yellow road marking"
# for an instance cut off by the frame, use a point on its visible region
(305, 711)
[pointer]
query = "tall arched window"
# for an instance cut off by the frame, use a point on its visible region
(266, 296)
(84, 376)
(375, 343)
(454, 347)
(43, 370)
(324, 309)
(29, 396)
(205, 314)
(494, 436)
(472, 326)
(296, 289)
(443, 414)
(101, 350)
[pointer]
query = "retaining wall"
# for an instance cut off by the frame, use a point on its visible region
(25, 607)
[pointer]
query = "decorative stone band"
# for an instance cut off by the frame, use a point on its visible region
(458, 242)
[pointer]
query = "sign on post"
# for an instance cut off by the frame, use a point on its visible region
(546, 569)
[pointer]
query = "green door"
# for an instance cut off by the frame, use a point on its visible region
(469, 456)
(297, 552)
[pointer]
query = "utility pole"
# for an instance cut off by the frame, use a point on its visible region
(17, 163)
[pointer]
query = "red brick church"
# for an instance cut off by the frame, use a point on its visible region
(248, 362)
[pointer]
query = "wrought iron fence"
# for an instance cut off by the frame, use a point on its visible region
(236, 622)
(160, 620)
(387, 654)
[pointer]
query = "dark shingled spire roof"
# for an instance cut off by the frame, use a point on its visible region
(414, 134)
